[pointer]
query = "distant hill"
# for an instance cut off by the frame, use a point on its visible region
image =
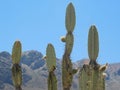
(35, 72)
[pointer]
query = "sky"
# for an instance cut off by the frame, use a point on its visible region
(39, 22)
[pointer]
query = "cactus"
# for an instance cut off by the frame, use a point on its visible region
(16, 68)
(91, 76)
(67, 71)
(51, 65)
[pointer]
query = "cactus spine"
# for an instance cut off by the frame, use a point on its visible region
(51, 65)
(67, 71)
(91, 77)
(16, 68)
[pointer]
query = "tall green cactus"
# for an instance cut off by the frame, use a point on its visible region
(51, 65)
(67, 71)
(91, 76)
(16, 68)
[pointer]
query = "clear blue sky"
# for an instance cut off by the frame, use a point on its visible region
(39, 22)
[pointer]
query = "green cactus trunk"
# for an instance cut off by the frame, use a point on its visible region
(16, 68)
(52, 81)
(91, 76)
(67, 74)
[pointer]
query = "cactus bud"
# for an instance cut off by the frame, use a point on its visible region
(104, 75)
(44, 57)
(63, 39)
(103, 67)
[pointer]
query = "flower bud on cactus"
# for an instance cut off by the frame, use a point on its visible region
(103, 67)
(70, 18)
(16, 52)
(44, 57)
(104, 75)
(51, 57)
(63, 39)
(93, 43)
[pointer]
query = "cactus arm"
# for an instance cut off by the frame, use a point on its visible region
(70, 18)
(51, 65)
(16, 52)
(50, 57)
(93, 44)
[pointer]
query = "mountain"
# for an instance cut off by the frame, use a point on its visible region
(35, 72)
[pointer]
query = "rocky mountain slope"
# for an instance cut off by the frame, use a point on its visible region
(35, 72)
